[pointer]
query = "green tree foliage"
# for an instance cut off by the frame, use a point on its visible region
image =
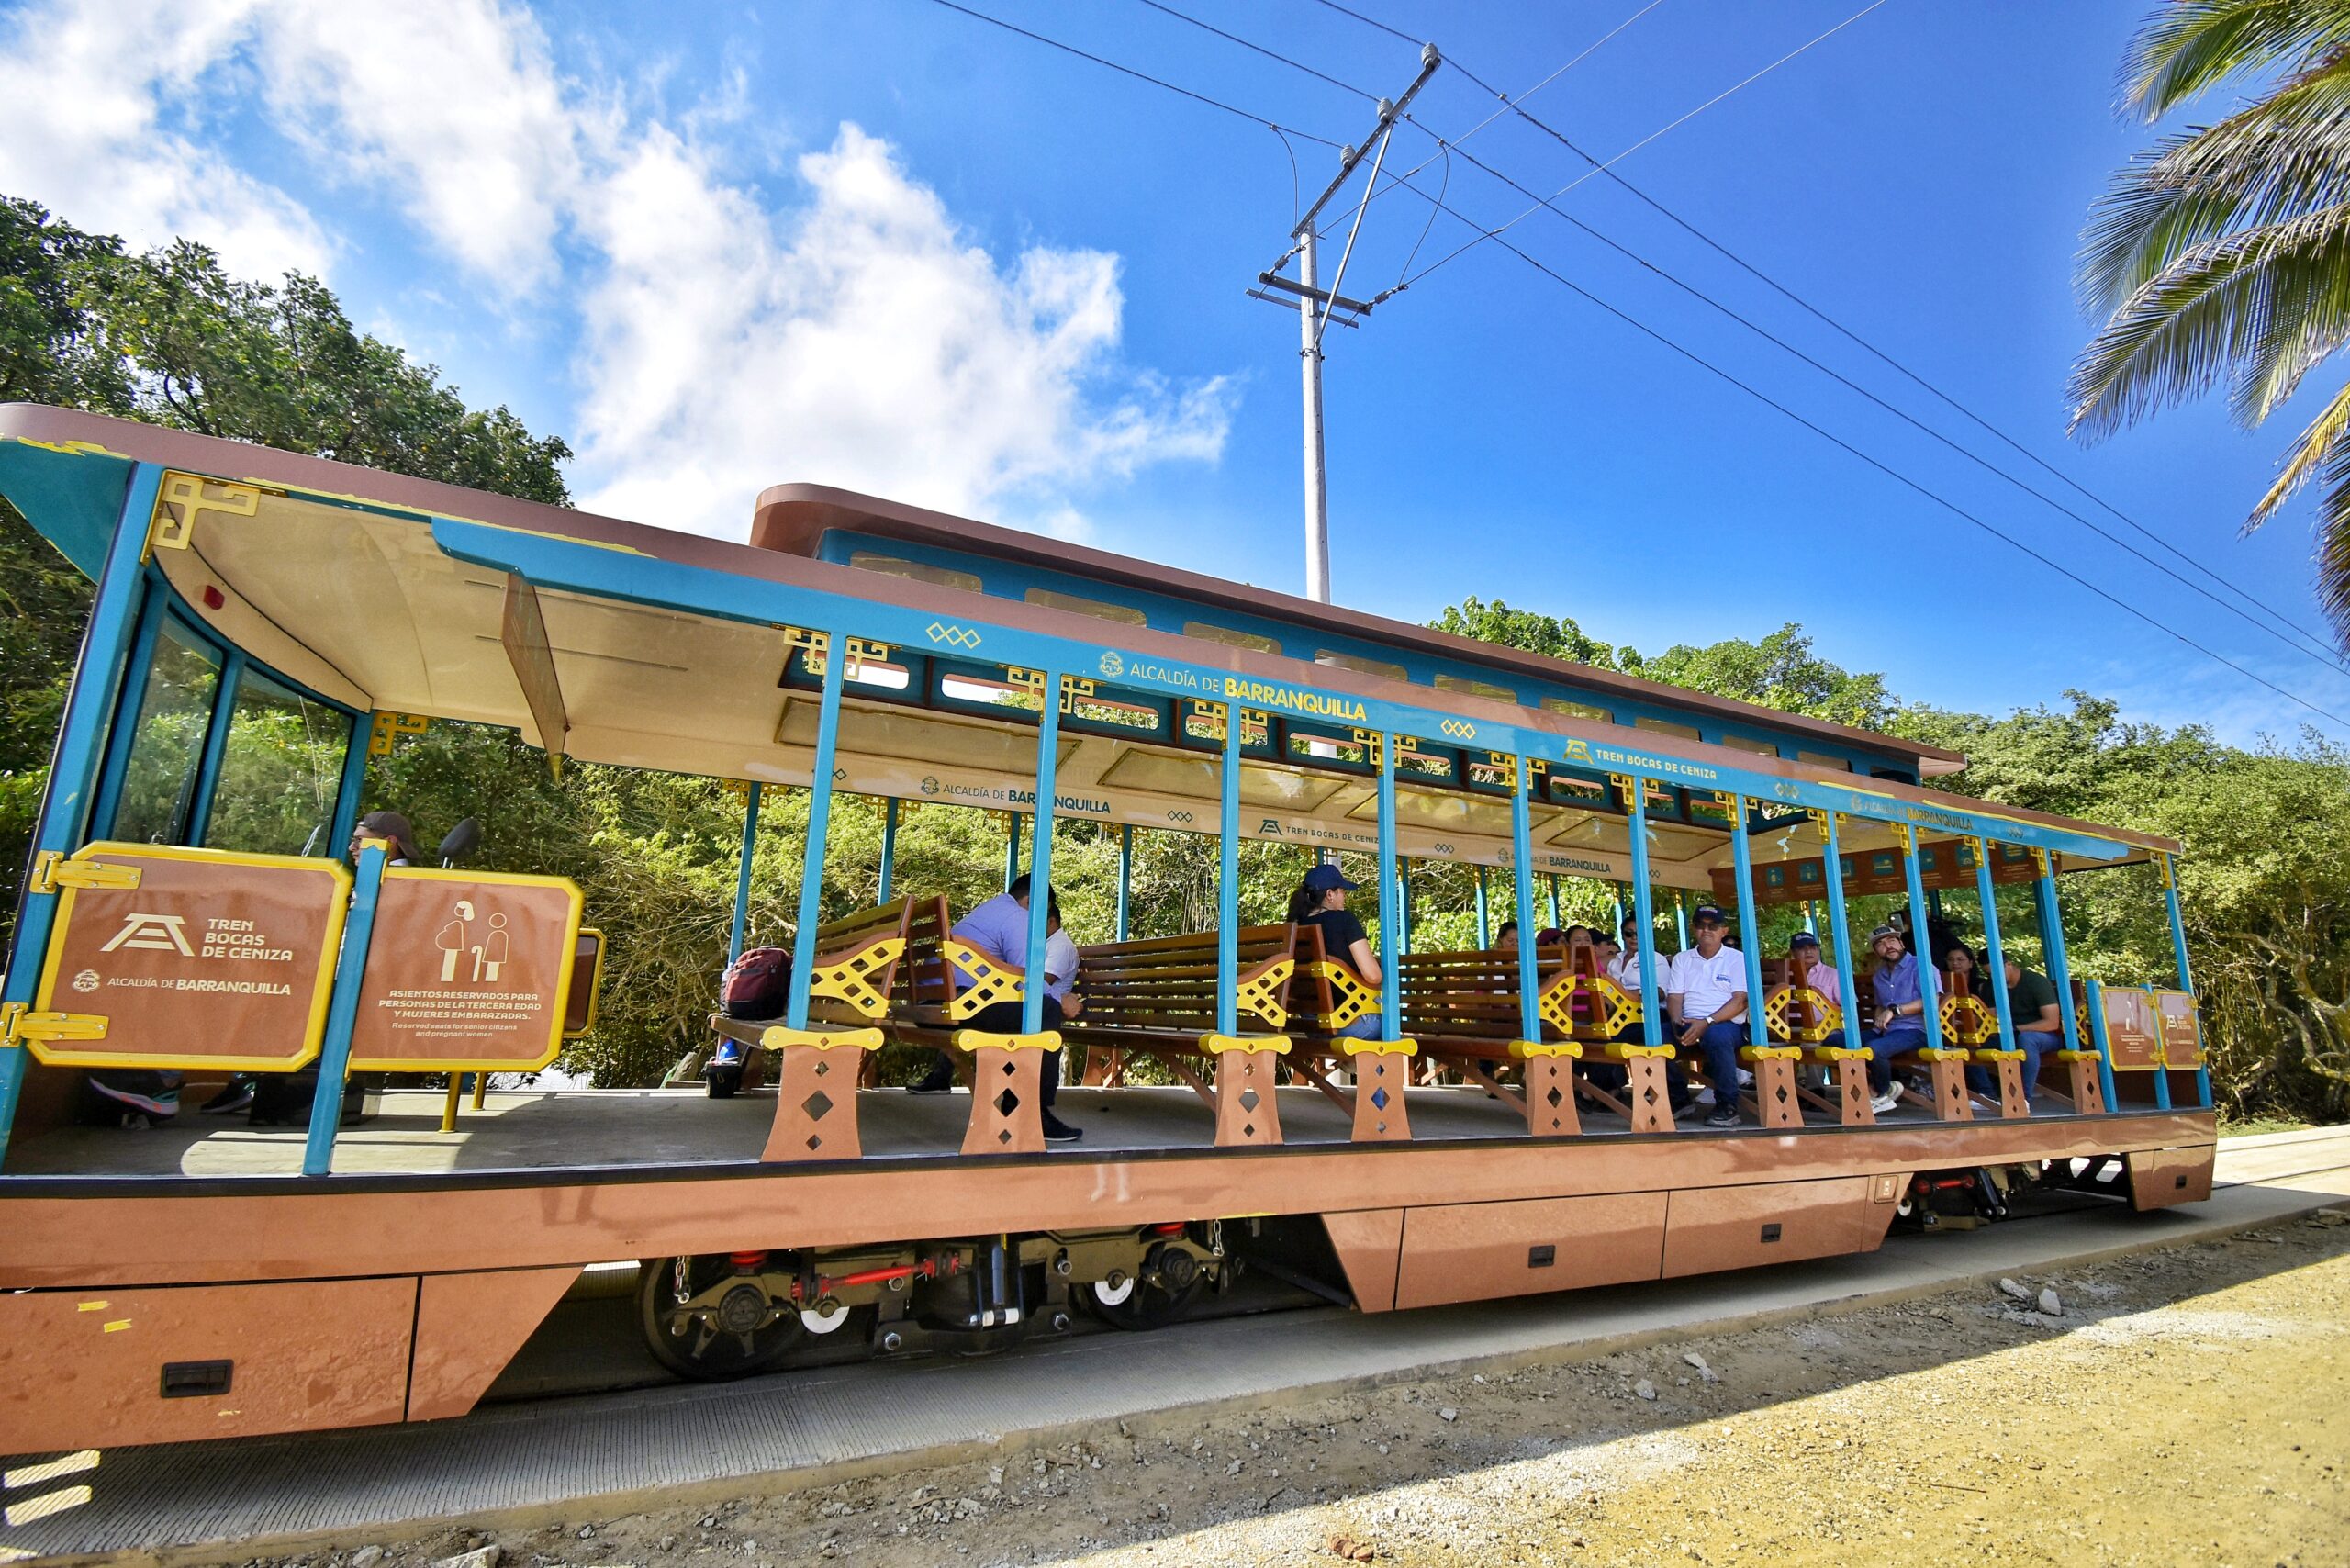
(2221, 253)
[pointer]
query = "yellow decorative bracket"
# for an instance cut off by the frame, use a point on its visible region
(980, 1040)
(1616, 1009)
(850, 981)
(1770, 1053)
(2163, 868)
(988, 983)
(180, 500)
(1261, 996)
(2040, 866)
(1381, 1047)
(52, 870)
(1521, 771)
(386, 728)
(1626, 783)
(1780, 1008)
(778, 1038)
(1350, 998)
(1215, 1045)
(19, 1024)
(1373, 743)
(1526, 1049)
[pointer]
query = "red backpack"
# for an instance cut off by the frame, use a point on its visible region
(757, 985)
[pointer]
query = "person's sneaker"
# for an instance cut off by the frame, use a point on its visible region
(1987, 1102)
(236, 1095)
(937, 1080)
(1705, 1096)
(1724, 1117)
(1883, 1103)
(1057, 1130)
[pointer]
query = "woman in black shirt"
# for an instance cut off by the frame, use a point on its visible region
(1321, 899)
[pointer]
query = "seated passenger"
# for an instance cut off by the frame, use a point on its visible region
(1549, 936)
(1803, 963)
(1705, 998)
(1960, 975)
(998, 929)
(2039, 1024)
(1507, 935)
(1320, 901)
(1897, 1022)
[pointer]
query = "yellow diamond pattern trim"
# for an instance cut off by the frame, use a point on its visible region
(1966, 1021)
(1215, 1045)
(1523, 1049)
(1261, 996)
(990, 982)
(1381, 1047)
(1350, 998)
(980, 1040)
(850, 981)
(1776, 1010)
(778, 1038)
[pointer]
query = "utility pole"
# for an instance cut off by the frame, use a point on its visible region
(1312, 323)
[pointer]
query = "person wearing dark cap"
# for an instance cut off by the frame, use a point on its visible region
(1897, 1023)
(998, 929)
(1320, 901)
(1803, 962)
(1704, 995)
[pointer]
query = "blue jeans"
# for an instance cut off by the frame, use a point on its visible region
(1721, 1043)
(1886, 1047)
(1363, 1028)
(2031, 1043)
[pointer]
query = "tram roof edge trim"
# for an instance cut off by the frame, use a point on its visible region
(792, 518)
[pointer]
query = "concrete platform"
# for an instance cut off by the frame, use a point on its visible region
(615, 1453)
(526, 1130)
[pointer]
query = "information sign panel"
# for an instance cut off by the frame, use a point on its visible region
(466, 969)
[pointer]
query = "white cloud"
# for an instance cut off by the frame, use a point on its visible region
(863, 342)
(860, 339)
(109, 105)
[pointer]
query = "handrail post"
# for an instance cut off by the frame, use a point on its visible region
(739, 927)
(1227, 881)
(2169, 862)
(2102, 1041)
(1680, 908)
(1993, 954)
(1651, 1026)
(81, 753)
(1921, 937)
(215, 746)
(1040, 850)
(1484, 918)
(1749, 924)
(889, 849)
(1832, 869)
(343, 1015)
(1391, 915)
(1126, 875)
(1521, 834)
(820, 821)
(354, 782)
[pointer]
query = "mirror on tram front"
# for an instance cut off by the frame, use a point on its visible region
(462, 840)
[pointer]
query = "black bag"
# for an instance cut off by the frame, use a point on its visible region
(757, 985)
(284, 1099)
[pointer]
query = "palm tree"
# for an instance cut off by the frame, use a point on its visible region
(2222, 252)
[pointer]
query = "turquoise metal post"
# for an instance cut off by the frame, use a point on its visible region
(1391, 915)
(740, 925)
(1618, 924)
(105, 800)
(1126, 875)
(81, 751)
(1529, 976)
(1932, 1013)
(820, 822)
(1403, 906)
(342, 1012)
(1833, 866)
(1934, 904)
(2178, 947)
(1227, 879)
(1993, 956)
(1750, 925)
(1679, 907)
(354, 781)
(1652, 1020)
(2052, 940)
(1010, 849)
(216, 746)
(1040, 853)
(2097, 1037)
(1554, 900)
(1485, 919)
(889, 849)
(1811, 916)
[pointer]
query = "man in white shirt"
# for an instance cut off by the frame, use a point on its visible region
(1704, 995)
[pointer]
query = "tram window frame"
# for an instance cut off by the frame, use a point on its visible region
(1673, 727)
(1754, 744)
(1078, 604)
(1821, 759)
(1574, 710)
(1469, 686)
(131, 745)
(1208, 631)
(915, 571)
(326, 770)
(1360, 664)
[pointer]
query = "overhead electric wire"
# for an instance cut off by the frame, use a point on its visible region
(1496, 235)
(2321, 655)
(1269, 124)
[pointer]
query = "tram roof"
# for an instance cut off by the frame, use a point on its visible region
(384, 592)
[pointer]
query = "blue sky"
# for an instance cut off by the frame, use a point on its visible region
(888, 246)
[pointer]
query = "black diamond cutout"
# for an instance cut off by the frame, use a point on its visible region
(1007, 1067)
(817, 1106)
(1248, 1130)
(1555, 1096)
(1247, 1099)
(1006, 1103)
(814, 1144)
(823, 1067)
(1003, 1137)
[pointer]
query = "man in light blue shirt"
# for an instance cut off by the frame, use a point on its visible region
(1897, 1022)
(998, 929)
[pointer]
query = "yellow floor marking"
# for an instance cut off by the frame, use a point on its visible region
(33, 1474)
(117, 1326)
(92, 1306)
(50, 1502)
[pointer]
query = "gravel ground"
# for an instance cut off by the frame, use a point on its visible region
(2189, 1407)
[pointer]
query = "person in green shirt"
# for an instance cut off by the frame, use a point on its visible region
(2039, 1024)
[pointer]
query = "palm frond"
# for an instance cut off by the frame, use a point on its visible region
(2224, 309)
(2317, 447)
(2191, 45)
(2332, 558)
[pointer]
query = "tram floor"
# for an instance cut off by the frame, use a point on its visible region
(530, 1130)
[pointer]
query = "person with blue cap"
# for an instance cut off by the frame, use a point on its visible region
(1320, 901)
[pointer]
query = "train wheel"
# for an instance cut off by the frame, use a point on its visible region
(1170, 1282)
(700, 1326)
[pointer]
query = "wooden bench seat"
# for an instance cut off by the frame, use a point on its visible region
(1158, 997)
(1463, 1008)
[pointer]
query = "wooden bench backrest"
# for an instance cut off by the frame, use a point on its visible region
(1469, 995)
(840, 941)
(1168, 983)
(925, 980)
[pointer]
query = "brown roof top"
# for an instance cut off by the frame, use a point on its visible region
(792, 518)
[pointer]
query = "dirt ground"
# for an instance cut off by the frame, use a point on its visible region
(2189, 1407)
